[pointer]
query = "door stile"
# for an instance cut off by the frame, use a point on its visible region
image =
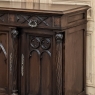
(13, 56)
(10, 63)
(23, 53)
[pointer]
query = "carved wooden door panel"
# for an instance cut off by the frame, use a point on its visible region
(4, 64)
(37, 65)
(8, 61)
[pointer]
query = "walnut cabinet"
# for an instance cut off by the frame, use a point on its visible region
(42, 49)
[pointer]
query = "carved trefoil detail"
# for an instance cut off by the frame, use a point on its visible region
(37, 43)
(41, 48)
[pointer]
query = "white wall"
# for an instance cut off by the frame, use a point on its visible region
(45, 1)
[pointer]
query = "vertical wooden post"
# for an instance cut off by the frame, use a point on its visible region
(59, 38)
(14, 34)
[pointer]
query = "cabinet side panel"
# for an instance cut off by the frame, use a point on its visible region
(3, 63)
(74, 62)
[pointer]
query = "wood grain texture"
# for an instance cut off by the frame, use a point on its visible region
(4, 86)
(46, 49)
(39, 67)
(43, 8)
(59, 38)
(74, 80)
(14, 34)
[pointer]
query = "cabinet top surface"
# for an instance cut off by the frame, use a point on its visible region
(41, 8)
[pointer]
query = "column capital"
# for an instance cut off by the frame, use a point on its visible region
(59, 37)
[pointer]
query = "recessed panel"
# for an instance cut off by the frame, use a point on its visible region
(3, 62)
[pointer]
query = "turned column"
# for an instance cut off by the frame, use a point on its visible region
(59, 38)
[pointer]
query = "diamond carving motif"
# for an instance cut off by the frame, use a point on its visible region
(3, 18)
(33, 19)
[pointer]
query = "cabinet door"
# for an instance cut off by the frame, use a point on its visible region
(8, 61)
(4, 64)
(37, 65)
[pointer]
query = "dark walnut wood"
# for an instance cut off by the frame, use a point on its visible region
(42, 49)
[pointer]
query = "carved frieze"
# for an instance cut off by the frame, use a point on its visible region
(33, 20)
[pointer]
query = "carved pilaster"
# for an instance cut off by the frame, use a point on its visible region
(59, 38)
(14, 34)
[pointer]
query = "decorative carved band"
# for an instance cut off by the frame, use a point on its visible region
(32, 20)
(59, 38)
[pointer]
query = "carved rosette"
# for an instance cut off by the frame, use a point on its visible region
(14, 34)
(38, 43)
(59, 38)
